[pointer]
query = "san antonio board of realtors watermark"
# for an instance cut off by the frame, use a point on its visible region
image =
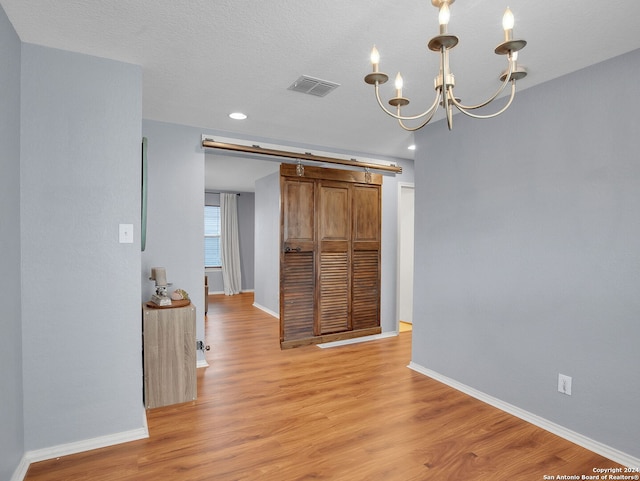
(600, 474)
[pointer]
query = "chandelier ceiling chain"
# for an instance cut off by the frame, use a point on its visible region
(444, 82)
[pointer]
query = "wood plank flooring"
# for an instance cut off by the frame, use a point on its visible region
(349, 413)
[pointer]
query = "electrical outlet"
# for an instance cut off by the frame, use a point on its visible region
(564, 384)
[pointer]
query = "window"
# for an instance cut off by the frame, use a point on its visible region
(212, 236)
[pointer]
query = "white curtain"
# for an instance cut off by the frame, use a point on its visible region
(229, 245)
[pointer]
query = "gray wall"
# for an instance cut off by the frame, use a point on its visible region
(527, 260)
(11, 399)
(175, 216)
(80, 178)
(246, 228)
(267, 242)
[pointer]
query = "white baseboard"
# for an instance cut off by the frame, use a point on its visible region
(202, 363)
(243, 291)
(21, 470)
(86, 445)
(80, 446)
(355, 340)
(268, 311)
(576, 438)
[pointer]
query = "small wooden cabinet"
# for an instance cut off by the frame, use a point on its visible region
(169, 355)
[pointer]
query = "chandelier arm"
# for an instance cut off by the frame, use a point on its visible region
(502, 87)
(430, 111)
(489, 116)
(413, 129)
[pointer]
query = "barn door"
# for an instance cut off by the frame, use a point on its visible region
(330, 254)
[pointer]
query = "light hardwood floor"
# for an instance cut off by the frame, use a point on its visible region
(348, 413)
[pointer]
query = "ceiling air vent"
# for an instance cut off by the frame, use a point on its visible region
(313, 86)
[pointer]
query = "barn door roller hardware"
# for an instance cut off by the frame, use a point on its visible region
(275, 151)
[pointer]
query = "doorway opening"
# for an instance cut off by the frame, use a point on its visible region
(406, 200)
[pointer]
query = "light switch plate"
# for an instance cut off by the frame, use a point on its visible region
(126, 233)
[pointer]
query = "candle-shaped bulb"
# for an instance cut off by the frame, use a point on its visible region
(507, 20)
(399, 81)
(375, 56)
(444, 15)
(399, 84)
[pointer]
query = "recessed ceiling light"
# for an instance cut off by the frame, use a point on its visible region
(237, 116)
(412, 147)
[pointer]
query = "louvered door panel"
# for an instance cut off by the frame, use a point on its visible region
(365, 308)
(297, 259)
(333, 301)
(297, 295)
(334, 233)
(365, 294)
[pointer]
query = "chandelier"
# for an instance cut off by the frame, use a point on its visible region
(444, 83)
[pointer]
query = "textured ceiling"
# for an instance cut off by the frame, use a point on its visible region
(203, 59)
